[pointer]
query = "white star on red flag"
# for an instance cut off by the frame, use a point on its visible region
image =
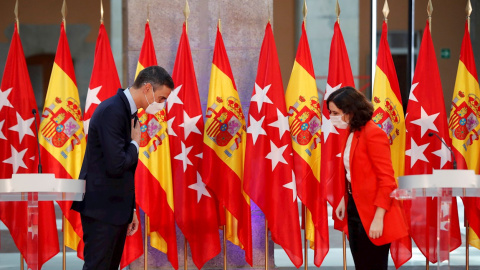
(276, 154)
(256, 128)
(4, 98)
(190, 124)
(444, 154)
(293, 186)
(412, 96)
(170, 130)
(173, 98)
(416, 153)
(2, 136)
(261, 96)
(426, 121)
(200, 188)
(330, 90)
(281, 123)
(327, 128)
(16, 159)
(92, 97)
(183, 156)
(23, 127)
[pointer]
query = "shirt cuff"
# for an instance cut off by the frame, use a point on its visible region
(136, 145)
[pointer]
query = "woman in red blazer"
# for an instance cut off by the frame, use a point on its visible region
(374, 218)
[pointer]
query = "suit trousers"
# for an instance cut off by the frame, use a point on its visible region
(103, 244)
(366, 255)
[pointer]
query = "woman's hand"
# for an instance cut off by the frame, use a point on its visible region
(376, 228)
(340, 211)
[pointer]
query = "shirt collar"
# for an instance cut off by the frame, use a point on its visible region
(133, 107)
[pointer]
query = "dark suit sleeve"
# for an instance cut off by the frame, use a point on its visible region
(379, 153)
(120, 155)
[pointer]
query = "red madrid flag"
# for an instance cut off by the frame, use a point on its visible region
(104, 83)
(424, 153)
(195, 207)
(19, 153)
(269, 176)
(339, 75)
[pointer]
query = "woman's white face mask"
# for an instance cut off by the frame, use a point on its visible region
(338, 122)
(155, 106)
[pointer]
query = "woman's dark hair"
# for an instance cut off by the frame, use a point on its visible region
(354, 103)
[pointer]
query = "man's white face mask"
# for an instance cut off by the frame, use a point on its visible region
(155, 106)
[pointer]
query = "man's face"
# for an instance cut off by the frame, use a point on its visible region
(160, 94)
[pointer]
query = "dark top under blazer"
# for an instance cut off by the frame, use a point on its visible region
(109, 164)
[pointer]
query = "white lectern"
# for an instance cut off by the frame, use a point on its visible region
(34, 188)
(443, 184)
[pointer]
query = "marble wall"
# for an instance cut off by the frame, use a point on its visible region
(243, 26)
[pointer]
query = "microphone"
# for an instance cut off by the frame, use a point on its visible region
(34, 112)
(449, 149)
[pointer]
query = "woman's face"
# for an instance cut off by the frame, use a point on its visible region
(334, 110)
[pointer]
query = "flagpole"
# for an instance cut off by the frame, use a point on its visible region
(429, 12)
(185, 254)
(186, 13)
(101, 11)
(468, 9)
(64, 219)
(225, 246)
(304, 212)
(373, 43)
(304, 208)
(266, 244)
(344, 244)
(224, 226)
(147, 230)
(15, 11)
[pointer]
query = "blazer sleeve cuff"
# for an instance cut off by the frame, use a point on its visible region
(383, 199)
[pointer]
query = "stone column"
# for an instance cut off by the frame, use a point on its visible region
(243, 25)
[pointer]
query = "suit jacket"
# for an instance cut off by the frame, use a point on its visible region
(373, 180)
(109, 164)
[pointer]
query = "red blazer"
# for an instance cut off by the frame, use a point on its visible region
(373, 180)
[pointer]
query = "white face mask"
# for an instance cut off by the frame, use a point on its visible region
(155, 106)
(338, 122)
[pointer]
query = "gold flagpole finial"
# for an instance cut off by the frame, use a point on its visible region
(305, 11)
(469, 9)
(101, 11)
(220, 25)
(269, 15)
(429, 12)
(186, 12)
(337, 11)
(385, 10)
(64, 15)
(15, 11)
(148, 11)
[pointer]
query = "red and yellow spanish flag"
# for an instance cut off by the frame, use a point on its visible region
(224, 144)
(153, 177)
(388, 115)
(464, 128)
(61, 132)
(305, 116)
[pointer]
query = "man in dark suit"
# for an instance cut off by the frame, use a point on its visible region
(107, 209)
